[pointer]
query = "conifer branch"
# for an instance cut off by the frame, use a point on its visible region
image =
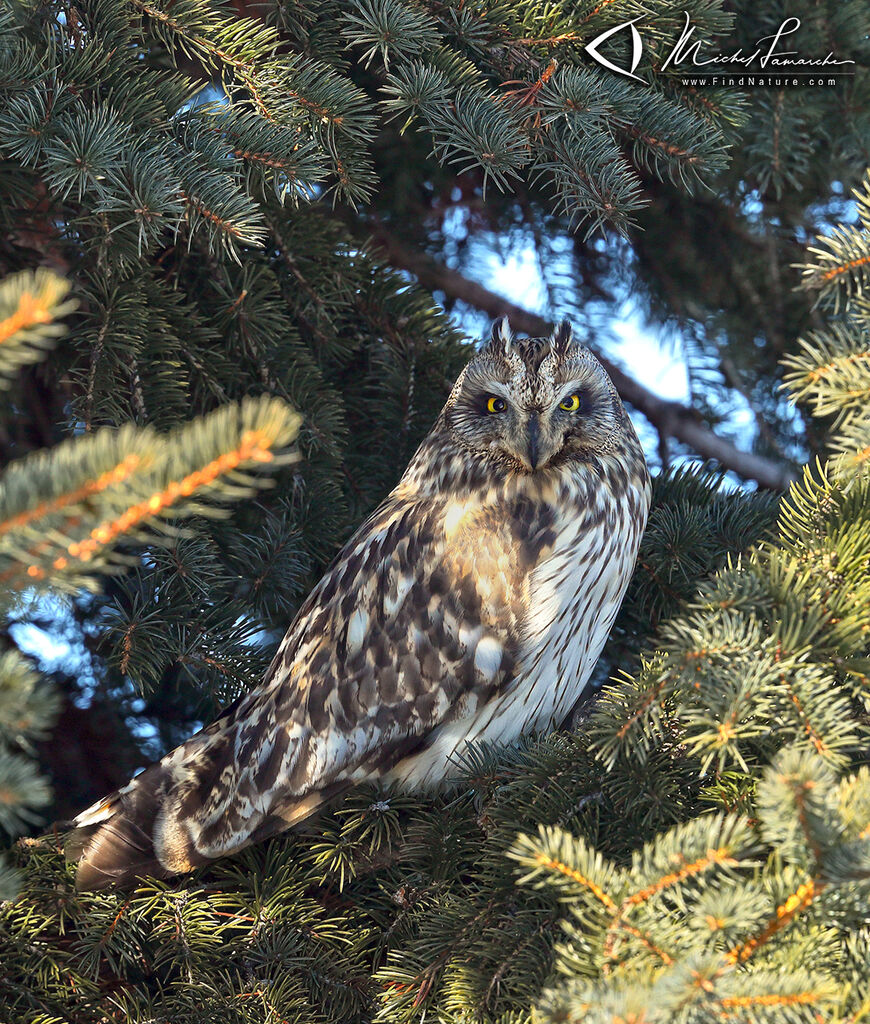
(670, 418)
(841, 270)
(575, 876)
(31, 303)
(798, 901)
(733, 1005)
(116, 475)
(713, 857)
(636, 933)
(218, 450)
(254, 446)
(209, 47)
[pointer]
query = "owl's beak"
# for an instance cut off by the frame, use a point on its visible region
(534, 439)
(535, 445)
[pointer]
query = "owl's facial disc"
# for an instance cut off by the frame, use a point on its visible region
(534, 403)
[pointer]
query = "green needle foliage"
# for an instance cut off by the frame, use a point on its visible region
(64, 511)
(30, 306)
(697, 850)
(566, 127)
(700, 925)
(27, 708)
(831, 373)
(199, 172)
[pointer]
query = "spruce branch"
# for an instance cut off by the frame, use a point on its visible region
(841, 270)
(797, 901)
(65, 510)
(31, 303)
(644, 954)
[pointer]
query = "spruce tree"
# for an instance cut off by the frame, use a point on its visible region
(199, 173)
(64, 512)
(715, 266)
(206, 177)
(698, 849)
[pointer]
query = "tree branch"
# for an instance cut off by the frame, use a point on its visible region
(671, 419)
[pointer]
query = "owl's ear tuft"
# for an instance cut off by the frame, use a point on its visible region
(501, 336)
(561, 338)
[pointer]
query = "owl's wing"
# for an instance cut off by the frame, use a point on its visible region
(408, 630)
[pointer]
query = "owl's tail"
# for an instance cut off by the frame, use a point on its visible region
(154, 825)
(113, 840)
(188, 809)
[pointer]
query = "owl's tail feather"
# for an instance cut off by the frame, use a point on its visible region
(116, 853)
(113, 841)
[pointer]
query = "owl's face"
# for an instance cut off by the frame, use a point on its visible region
(534, 403)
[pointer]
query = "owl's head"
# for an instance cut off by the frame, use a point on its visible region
(533, 403)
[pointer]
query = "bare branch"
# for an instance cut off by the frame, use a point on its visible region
(671, 419)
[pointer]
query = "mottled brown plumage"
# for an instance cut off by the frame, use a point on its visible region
(471, 605)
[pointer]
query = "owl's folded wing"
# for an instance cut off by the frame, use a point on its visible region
(408, 630)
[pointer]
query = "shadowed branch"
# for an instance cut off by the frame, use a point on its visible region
(671, 419)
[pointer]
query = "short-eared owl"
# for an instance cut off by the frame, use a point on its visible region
(471, 605)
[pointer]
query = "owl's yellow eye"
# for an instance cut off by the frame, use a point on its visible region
(570, 404)
(495, 404)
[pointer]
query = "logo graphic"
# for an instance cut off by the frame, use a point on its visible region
(766, 63)
(636, 49)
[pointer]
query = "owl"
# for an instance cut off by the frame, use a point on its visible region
(470, 606)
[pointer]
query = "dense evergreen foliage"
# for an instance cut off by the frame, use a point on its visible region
(698, 848)
(228, 198)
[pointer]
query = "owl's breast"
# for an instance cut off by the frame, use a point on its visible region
(561, 572)
(573, 595)
(492, 543)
